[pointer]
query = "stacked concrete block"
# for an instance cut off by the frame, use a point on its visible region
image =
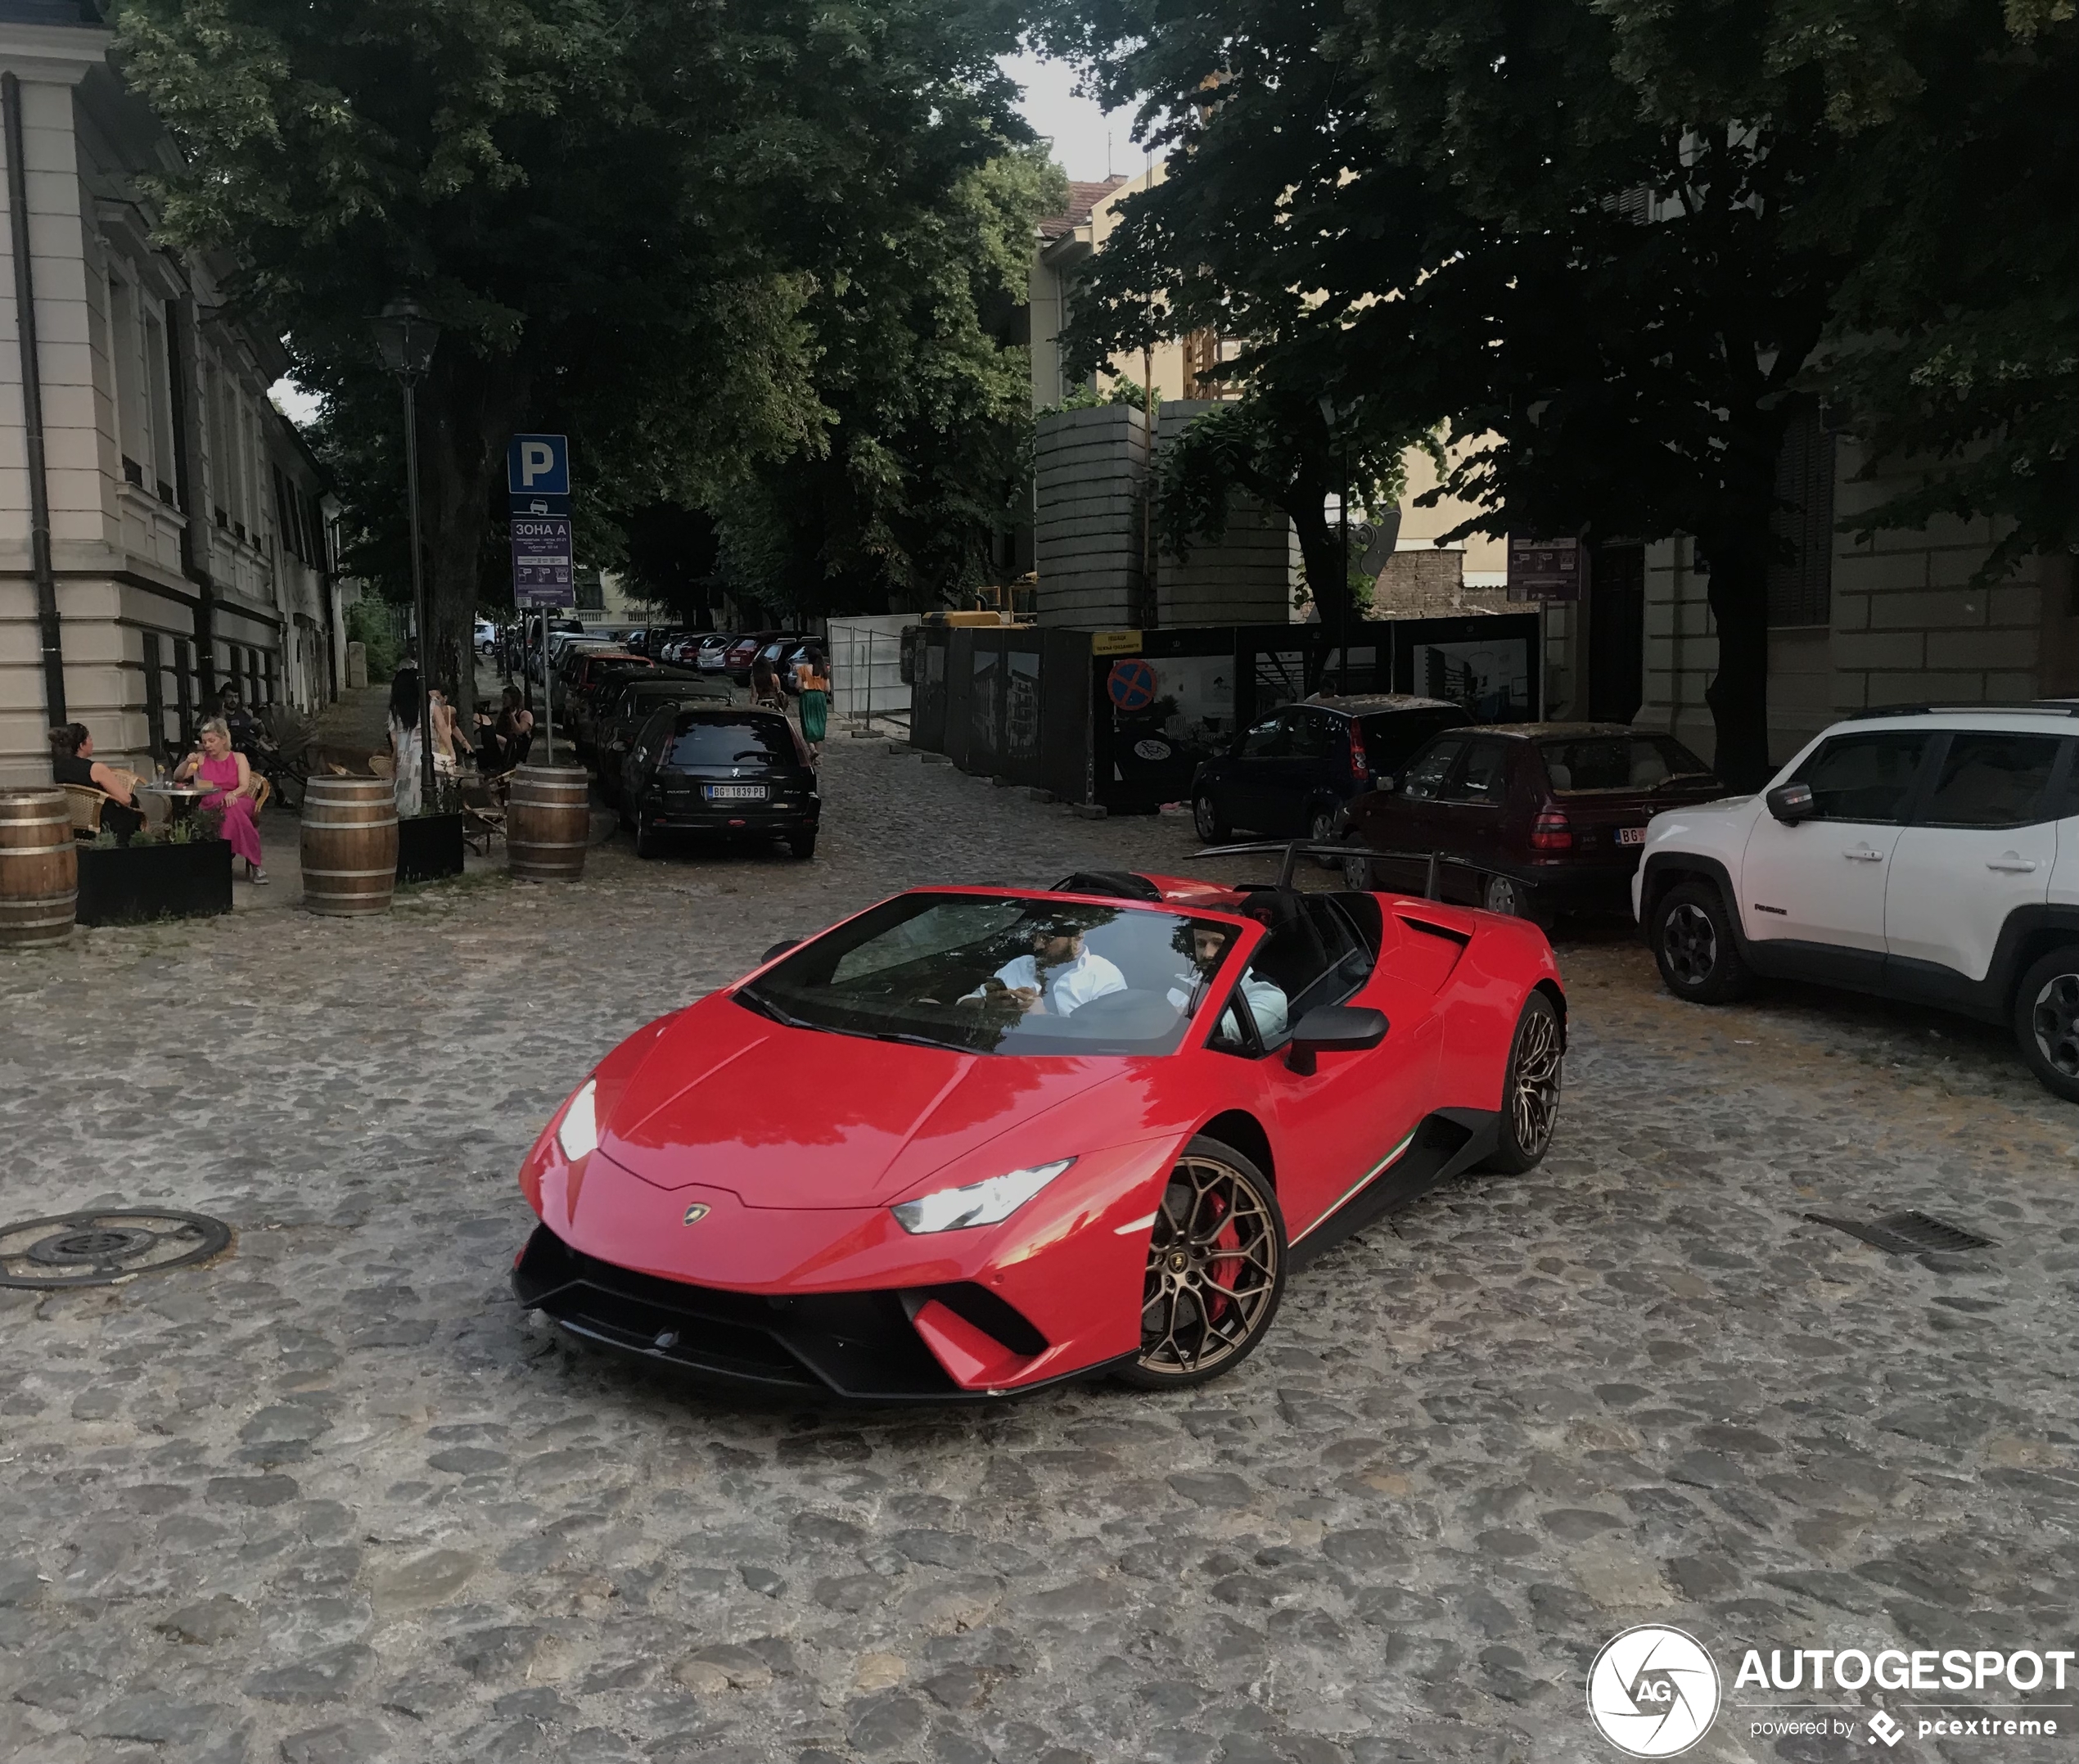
(1245, 577)
(1088, 532)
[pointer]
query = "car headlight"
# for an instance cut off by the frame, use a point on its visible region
(578, 1132)
(980, 1203)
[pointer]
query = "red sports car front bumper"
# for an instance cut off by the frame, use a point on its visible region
(844, 1301)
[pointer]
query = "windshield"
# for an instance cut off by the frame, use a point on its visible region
(748, 741)
(1618, 762)
(1391, 738)
(982, 974)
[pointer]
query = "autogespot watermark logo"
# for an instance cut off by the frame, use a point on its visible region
(1653, 1691)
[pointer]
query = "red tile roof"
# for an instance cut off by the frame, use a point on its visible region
(1082, 198)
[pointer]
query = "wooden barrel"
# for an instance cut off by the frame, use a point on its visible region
(40, 867)
(548, 822)
(349, 845)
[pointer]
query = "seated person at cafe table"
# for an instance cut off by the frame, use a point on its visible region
(246, 735)
(218, 765)
(73, 762)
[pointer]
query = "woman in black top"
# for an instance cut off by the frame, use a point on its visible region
(73, 762)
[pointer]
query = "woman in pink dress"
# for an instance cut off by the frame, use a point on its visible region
(219, 764)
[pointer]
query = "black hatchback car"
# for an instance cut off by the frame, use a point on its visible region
(1293, 771)
(636, 699)
(720, 774)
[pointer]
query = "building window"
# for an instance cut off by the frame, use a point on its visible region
(154, 692)
(158, 368)
(126, 368)
(184, 683)
(1801, 576)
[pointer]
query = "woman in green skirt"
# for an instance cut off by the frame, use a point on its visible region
(813, 684)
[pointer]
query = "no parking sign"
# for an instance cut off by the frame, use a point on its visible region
(1131, 683)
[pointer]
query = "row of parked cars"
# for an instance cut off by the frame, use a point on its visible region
(1927, 854)
(676, 754)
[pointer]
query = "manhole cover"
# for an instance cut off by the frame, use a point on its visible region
(1907, 1234)
(100, 1248)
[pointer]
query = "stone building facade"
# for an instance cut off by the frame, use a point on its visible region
(1900, 617)
(189, 531)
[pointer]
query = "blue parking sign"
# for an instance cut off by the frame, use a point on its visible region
(538, 465)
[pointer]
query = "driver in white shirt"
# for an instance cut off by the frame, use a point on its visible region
(1059, 978)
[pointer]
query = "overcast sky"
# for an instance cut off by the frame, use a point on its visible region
(1088, 144)
(1077, 127)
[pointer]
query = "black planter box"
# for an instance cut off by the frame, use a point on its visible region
(133, 885)
(428, 847)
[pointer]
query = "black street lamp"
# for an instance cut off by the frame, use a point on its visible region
(407, 338)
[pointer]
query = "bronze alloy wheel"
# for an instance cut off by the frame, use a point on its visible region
(1216, 1267)
(1533, 1097)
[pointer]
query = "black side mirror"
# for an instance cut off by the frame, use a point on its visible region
(1388, 783)
(1333, 1029)
(779, 950)
(1791, 803)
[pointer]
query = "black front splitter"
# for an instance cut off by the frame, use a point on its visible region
(854, 1347)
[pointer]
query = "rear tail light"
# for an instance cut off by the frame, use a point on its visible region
(1359, 770)
(1552, 832)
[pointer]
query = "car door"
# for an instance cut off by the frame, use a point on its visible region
(1981, 844)
(1281, 780)
(1336, 1124)
(1812, 895)
(1317, 746)
(1410, 818)
(1253, 773)
(1469, 813)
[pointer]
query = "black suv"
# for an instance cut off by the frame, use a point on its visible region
(1293, 771)
(724, 774)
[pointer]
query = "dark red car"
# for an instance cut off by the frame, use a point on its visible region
(1528, 818)
(737, 658)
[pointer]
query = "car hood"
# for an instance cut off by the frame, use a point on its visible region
(796, 1118)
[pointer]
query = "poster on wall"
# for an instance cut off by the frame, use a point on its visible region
(1022, 706)
(1168, 713)
(1491, 680)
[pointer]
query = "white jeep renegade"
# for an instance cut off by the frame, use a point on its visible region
(1929, 855)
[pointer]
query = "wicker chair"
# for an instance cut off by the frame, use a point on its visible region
(86, 804)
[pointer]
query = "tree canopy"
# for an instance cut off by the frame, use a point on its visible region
(1619, 239)
(622, 213)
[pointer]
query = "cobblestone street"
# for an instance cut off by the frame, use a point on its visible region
(333, 1498)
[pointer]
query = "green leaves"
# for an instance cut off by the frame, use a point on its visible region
(681, 232)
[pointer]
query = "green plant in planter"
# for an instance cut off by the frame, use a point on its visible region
(197, 827)
(103, 841)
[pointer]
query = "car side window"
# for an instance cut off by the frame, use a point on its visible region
(1311, 956)
(1431, 767)
(1867, 778)
(1484, 777)
(1311, 731)
(1992, 780)
(1265, 741)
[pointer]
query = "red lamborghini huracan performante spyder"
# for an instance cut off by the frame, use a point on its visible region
(976, 1140)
